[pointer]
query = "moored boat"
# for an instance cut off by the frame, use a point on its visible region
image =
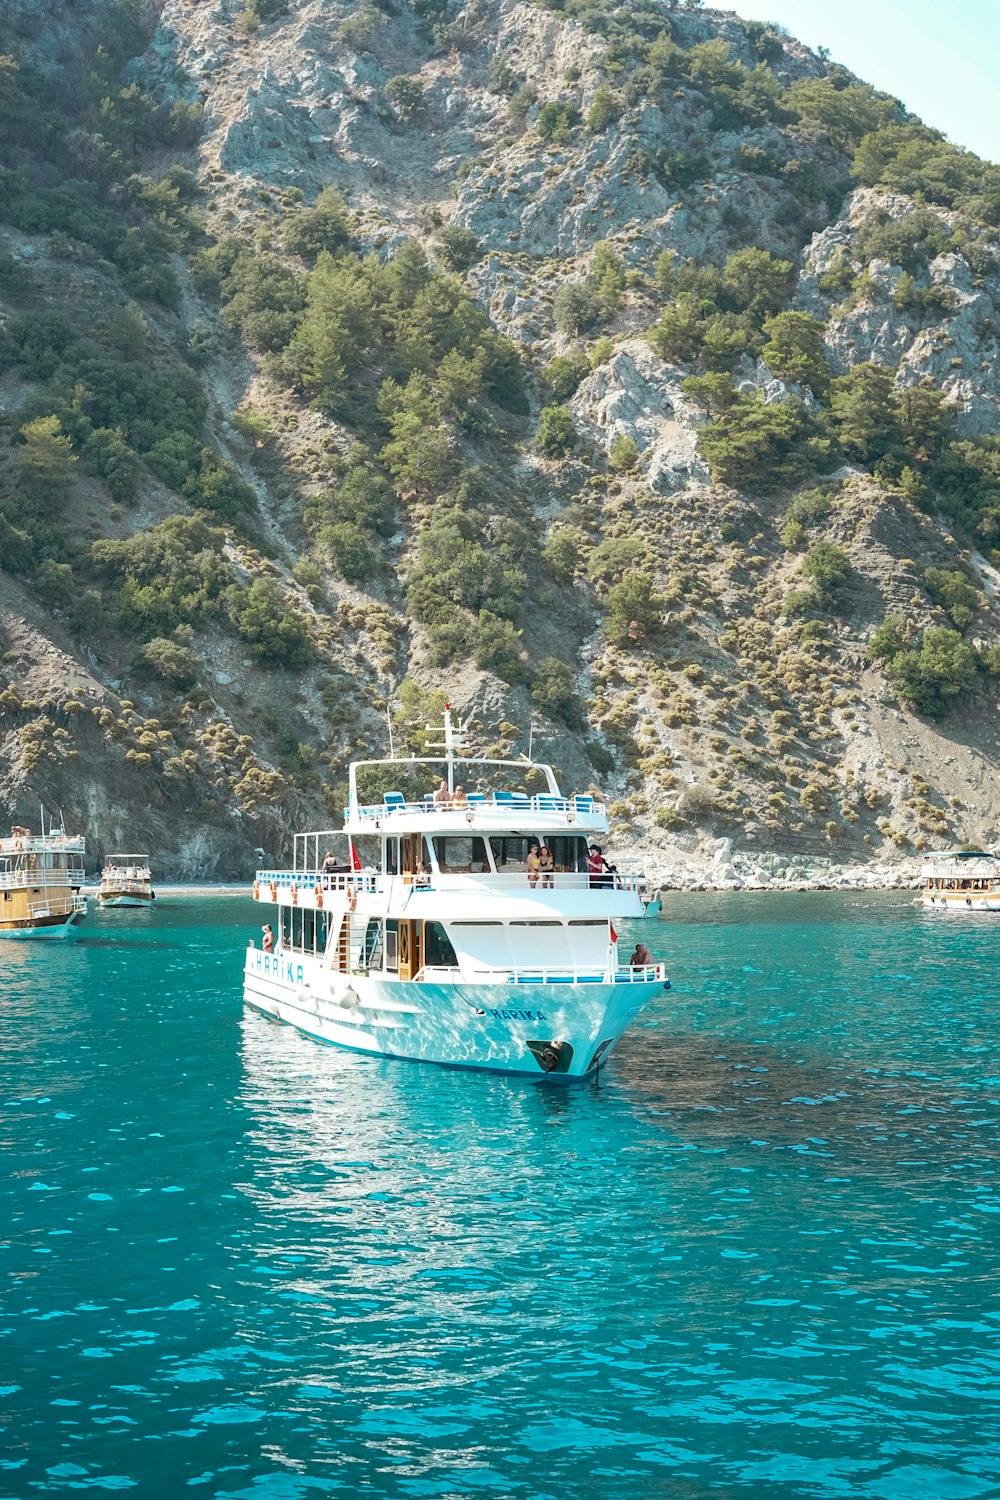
(463, 944)
(40, 880)
(126, 881)
(964, 880)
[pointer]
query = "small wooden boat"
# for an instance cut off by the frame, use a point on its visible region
(126, 881)
(966, 880)
(40, 880)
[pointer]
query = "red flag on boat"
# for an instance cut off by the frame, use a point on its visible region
(611, 930)
(355, 861)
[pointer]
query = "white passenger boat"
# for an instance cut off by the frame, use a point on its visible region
(965, 880)
(126, 880)
(40, 880)
(452, 948)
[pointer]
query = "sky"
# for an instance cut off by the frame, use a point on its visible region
(942, 61)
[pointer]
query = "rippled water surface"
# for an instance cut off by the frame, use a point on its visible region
(758, 1259)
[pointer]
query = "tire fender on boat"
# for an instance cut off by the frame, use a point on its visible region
(256, 891)
(318, 892)
(295, 895)
(352, 898)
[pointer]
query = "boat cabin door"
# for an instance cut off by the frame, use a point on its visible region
(410, 854)
(411, 956)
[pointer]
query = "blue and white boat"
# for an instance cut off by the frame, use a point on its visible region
(450, 946)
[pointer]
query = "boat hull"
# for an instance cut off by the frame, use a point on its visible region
(960, 901)
(538, 1031)
(116, 900)
(52, 928)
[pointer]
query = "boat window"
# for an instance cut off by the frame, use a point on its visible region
(511, 851)
(286, 926)
(475, 924)
(590, 922)
(373, 944)
(536, 924)
(392, 856)
(460, 854)
(322, 930)
(391, 945)
(569, 852)
(438, 950)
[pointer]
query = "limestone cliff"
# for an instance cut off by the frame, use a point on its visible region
(741, 733)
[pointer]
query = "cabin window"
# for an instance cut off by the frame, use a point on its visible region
(569, 852)
(438, 950)
(539, 924)
(286, 926)
(590, 922)
(392, 856)
(460, 854)
(511, 851)
(477, 924)
(373, 944)
(392, 945)
(322, 931)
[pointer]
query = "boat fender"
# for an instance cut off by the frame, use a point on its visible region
(352, 898)
(549, 1057)
(318, 892)
(256, 891)
(274, 890)
(295, 895)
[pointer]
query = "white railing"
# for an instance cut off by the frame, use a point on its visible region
(76, 906)
(114, 884)
(467, 882)
(11, 880)
(50, 844)
(540, 804)
(549, 974)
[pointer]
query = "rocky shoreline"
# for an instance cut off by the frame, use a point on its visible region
(716, 866)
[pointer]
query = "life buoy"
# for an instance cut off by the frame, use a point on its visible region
(256, 891)
(352, 898)
(295, 895)
(318, 890)
(274, 890)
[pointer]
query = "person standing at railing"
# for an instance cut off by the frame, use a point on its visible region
(547, 866)
(533, 864)
(596, 867)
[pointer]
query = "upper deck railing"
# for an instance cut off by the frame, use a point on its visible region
(486, 808)
(50, 843)
(34, 878)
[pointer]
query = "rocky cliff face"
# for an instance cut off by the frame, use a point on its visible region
(733, 742)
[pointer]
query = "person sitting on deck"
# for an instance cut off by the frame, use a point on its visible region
(421, 879)
(442, 797)
(460, 799)
(641, 958)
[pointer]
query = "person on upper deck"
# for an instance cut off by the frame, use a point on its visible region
(547, 866)
(641, 958)
(460, 799)
(597, 865)
(442, 797)
(533, 865)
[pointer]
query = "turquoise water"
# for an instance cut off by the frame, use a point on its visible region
(758, 1259)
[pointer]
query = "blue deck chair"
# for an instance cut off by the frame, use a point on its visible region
(394, 801)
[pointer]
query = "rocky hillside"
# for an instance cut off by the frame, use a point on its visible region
(626, 371)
